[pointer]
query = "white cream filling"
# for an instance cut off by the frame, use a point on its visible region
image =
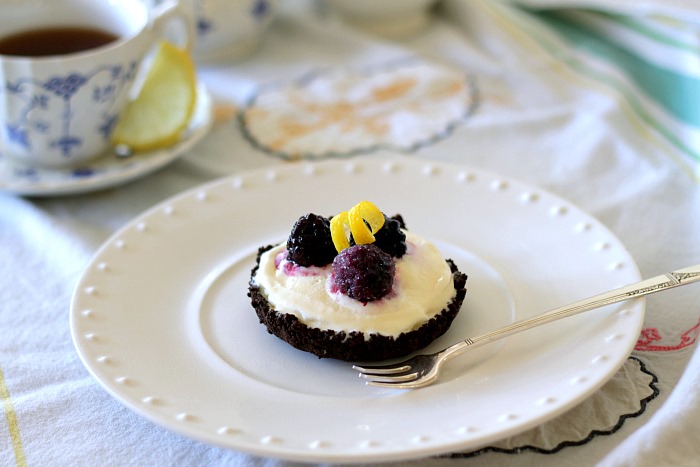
(423, 287)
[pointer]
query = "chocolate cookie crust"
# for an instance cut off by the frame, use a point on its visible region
(353, 346)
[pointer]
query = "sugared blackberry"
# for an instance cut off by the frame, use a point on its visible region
(364, 272)
(310, 243)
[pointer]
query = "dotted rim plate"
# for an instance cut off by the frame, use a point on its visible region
(162, 320)
(108, 170)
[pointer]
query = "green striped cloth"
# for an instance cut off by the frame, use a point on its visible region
(650, 58)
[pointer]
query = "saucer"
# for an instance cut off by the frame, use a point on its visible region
(109, 169)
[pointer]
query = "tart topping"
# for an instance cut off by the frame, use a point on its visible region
(339, 222)
(391, 238)
(364, 272)
(362, 244)
(364, 220)
(310, 243)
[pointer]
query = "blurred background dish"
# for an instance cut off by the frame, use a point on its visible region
(387, 18)
(230, 29)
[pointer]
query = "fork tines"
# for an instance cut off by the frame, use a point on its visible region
(381, 369)
(386, 376)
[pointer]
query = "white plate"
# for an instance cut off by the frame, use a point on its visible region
(108, 170)
(162, 320)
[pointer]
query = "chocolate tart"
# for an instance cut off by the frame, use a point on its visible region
(354, 346)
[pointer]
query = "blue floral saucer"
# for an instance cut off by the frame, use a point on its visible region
(108, 170)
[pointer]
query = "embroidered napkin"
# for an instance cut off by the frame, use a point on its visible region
(589, 103)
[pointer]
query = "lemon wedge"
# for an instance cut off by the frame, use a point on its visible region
(164, 105)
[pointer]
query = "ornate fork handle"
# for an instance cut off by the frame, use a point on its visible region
(638, 289)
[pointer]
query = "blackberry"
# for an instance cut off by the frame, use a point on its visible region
(364, 272)
(310, 242)
(390, 238)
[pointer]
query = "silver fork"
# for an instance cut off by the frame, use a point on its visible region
(423, 370)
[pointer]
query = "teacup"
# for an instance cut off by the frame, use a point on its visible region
(58, 107)
(230, 29)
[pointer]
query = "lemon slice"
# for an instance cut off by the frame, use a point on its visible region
(164, 106)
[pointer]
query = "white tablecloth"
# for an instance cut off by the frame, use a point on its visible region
(600, 109)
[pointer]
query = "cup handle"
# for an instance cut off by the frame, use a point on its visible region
(172, 11)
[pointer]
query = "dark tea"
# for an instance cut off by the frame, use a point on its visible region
(54, 41)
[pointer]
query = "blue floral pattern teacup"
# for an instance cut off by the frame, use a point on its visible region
(58, 111)
(230, 29)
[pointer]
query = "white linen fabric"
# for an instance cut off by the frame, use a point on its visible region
(560, 94)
